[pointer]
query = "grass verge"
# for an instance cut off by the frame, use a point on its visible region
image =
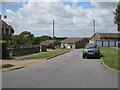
(110, 57)
(46, 55)
(7, 65)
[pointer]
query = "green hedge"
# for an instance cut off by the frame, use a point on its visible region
(2, 41)
(3, 49)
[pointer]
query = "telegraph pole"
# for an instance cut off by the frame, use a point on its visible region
(94, 28)
(53, 34)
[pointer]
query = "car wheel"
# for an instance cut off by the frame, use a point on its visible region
(86, 57)
(83, 56)
(98, 57)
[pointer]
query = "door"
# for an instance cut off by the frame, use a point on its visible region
(105, 43)
(99, 43)
(112, 44)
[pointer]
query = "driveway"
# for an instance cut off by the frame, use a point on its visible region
(66, 71)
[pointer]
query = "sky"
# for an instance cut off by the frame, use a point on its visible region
(72, 19)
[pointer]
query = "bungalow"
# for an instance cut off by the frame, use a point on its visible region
(6, 31)
(74, 43)
(106, 39)
(48, 43)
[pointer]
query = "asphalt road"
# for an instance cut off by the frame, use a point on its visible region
(66, 71)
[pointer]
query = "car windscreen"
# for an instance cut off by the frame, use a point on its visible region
(90, 46)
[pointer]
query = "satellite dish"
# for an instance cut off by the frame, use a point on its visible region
(5, 16)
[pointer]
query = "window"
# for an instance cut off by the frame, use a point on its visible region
(4, 31)
(9, 31)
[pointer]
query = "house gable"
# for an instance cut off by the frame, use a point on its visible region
(96, 37)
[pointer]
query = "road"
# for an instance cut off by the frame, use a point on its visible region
(66, 71)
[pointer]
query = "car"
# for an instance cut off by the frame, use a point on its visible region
(91, 50)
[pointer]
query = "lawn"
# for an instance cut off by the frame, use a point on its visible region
(110, 57)
(7, 65)
(46, 55)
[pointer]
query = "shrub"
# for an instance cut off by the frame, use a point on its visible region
(7, 65)
(3, 48)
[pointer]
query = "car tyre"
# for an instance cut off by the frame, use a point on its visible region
(98, 57)
(83, 56)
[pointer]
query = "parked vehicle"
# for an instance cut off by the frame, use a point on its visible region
(91, 50)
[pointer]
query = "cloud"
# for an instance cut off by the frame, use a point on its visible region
(69, 21)
(105, 4)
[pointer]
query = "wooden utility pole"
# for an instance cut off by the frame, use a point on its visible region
(53, 34)
(94, 28)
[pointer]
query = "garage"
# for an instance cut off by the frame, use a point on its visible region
(99, 43)
(112, 43)
(106, 39)
(105, 43)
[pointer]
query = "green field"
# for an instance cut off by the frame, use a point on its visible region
(45, 55)
(110, 57)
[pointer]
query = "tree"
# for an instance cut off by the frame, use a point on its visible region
(25, 38)
(16, 41)
(117, 16)
(38, 40)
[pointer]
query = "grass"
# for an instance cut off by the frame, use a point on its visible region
(64, 49)
(7, 65)
(110, 57)
(80, 48)
(49, 49)
(45, 55)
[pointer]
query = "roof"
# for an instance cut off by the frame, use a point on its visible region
(72, 39)
(47, 42)
(5, 25)
(109, 35)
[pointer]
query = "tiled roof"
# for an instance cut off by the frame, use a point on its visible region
(47, 42)
(5, 25)
(109, 35)
(72, 40)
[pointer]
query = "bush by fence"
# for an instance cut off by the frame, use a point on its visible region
(24, 50)
(3, 50)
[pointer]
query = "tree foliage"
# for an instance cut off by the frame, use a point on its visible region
(117, 17)
(38, 40)
(26, 38)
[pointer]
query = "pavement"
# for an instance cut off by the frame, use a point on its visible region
(65, 71)
(24, 56)
(18, 64)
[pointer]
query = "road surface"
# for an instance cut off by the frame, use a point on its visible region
(66, 71)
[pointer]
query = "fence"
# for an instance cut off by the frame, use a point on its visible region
(24, 50)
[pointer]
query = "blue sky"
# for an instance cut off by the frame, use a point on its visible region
(83, 4)
(14, 6)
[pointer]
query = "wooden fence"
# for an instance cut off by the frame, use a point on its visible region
(24, 50)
